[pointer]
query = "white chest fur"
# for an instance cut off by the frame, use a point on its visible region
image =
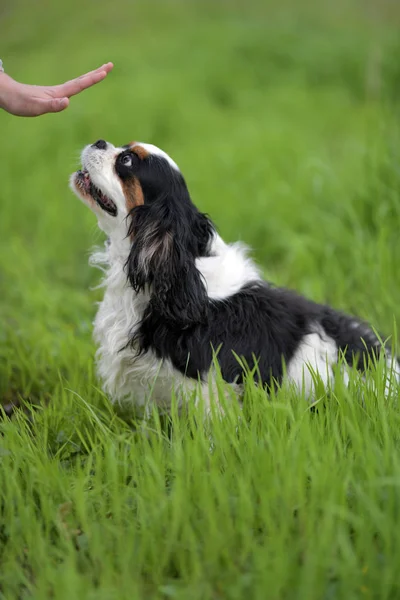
(127, 378)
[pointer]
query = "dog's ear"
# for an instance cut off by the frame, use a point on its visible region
(162, 259)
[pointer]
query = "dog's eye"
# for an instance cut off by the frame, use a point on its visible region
(126, 160)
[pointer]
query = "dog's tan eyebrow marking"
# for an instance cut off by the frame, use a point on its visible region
(141, 152)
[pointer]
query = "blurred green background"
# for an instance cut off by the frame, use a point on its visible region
(282, 115)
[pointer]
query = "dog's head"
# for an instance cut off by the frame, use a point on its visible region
(138, 193)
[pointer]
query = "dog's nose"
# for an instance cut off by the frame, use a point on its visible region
(100, 144)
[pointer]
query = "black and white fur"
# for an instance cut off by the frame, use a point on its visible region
(175, 292)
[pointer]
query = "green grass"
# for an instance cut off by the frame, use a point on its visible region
(284, 119)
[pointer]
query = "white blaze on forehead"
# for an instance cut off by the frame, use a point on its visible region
(158, 152)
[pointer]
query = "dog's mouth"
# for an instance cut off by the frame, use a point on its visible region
(85, 184)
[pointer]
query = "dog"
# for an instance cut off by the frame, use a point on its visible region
(178, 298)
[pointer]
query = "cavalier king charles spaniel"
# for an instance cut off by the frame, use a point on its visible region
(178, 298)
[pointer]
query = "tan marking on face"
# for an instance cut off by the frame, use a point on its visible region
(139, 150)
(133, 193)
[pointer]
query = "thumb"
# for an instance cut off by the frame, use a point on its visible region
(51, 105)
(57, 104)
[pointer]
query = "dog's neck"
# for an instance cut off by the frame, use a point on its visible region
(118, 248)
(224, 272)
(111, 261)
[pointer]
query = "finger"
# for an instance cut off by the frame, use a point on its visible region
(107, 67)
(75, 86)
(42, 106)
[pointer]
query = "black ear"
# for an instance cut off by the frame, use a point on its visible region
(162, 260)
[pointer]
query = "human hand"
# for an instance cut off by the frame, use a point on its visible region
(33, 100)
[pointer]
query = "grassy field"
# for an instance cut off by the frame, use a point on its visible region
(284, 118)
